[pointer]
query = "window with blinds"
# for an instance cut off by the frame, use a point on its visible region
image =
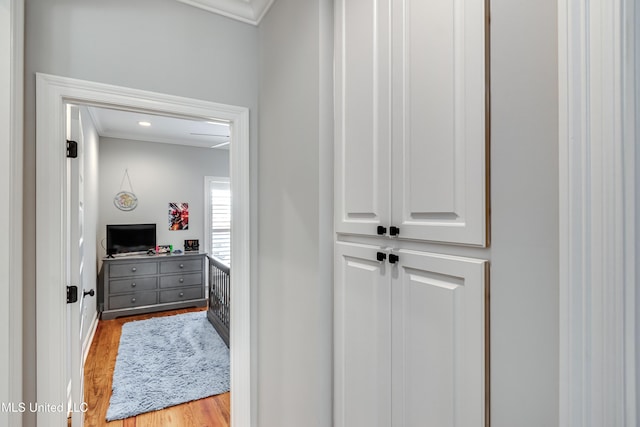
(220, 217)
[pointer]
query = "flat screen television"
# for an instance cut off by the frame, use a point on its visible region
(130, 238)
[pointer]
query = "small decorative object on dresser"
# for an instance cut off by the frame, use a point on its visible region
(164, 249)
(191, 245)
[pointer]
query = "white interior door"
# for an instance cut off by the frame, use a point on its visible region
(75, 269)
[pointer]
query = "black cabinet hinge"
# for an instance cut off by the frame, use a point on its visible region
(72, 149)
(72, 294)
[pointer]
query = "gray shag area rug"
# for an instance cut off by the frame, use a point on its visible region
(165, 361)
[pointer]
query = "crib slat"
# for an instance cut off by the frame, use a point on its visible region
(219, 297)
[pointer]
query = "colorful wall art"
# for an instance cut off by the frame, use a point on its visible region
(178, 216)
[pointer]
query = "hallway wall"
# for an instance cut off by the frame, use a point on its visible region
(296, 215)
(158, 45)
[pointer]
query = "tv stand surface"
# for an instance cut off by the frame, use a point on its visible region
(146, 283)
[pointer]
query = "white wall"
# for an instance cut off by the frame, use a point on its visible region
(160, 173)
(295, 240)
(158, 45)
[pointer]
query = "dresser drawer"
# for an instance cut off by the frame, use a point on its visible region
(181, 280)
(181, 294)
(133, 269)
(181, 265)
(133, 300)
(132, 285)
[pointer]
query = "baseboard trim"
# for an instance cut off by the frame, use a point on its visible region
(86, 345)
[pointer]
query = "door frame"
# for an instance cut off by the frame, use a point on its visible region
(598, 127)
(52, 92)
(11, 188)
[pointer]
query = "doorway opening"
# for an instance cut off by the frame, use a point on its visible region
(52, 227)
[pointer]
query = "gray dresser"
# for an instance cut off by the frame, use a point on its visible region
(147, 283)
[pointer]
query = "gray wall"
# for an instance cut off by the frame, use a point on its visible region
(524, 192)
(637, 206)
(295, 239)
(158, 45)
(160, 173)
(77, 38)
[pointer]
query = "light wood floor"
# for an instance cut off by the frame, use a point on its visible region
(210, 412)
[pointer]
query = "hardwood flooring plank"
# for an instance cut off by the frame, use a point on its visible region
(212, 411)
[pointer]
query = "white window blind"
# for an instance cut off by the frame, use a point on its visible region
(220, 220)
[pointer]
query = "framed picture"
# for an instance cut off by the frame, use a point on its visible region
(191, 245)
(178, 216)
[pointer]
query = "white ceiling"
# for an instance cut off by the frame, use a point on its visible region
(169, 130)
(250, 11)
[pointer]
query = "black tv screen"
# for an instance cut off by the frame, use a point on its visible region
(127, 238)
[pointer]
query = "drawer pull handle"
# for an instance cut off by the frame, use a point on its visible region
(181, 280)
(133, 285)
(181, 294)
(134, 269)
(181, 265)
(133, 300)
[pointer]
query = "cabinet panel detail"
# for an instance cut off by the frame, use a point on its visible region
(179, 266)
(181, 294)
(181, 280)
(439, 170)
(362, 108)
(363, 341)
(439, 341)
(129, 269)
(133, 300)
(133, 285)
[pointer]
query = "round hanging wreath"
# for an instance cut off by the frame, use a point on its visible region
(125, 201)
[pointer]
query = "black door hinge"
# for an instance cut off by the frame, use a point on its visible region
(72, 149)
(72, 294)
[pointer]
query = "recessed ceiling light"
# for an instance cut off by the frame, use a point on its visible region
(146, 124)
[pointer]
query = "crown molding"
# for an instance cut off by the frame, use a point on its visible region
(249, 11)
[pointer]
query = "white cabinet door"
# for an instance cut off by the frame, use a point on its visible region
(362, 116)
(410, 339)
(438, 340)
(411, 119)
(438, 171)
(362, 338)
